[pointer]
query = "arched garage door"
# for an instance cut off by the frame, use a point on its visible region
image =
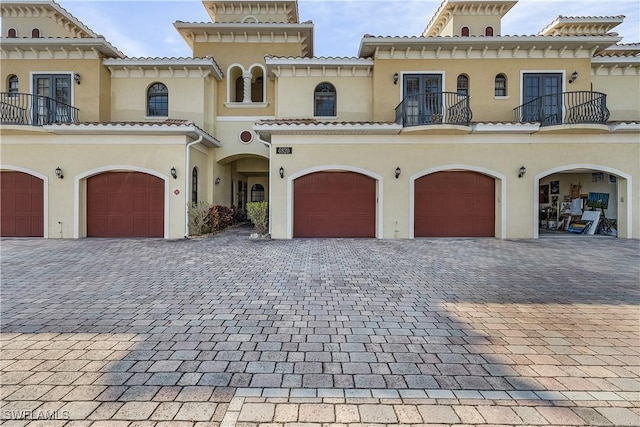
(334, 204)
(455, 204)
(22, 205)
(125, 204)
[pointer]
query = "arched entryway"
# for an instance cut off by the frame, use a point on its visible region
(454, 203)
(582, 199)
(334, 203)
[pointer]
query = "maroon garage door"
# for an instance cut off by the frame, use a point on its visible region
(455, 204)
(22, 210)
(125, 204)
(334, 204)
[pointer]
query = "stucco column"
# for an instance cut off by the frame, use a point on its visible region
(247, 86)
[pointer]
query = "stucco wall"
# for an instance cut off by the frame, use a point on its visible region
(85, 96)
(496, 155)
(353, 97)
(481, 72)
(618, 88)
(78, 156)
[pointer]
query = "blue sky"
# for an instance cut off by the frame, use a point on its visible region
(144, 28)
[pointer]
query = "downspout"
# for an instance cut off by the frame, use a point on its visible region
(186, 183)
(268, 144)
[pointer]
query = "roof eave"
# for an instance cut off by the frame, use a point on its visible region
(191, 131)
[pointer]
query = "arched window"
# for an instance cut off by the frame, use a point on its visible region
(12, 33)
(239, 95)
(464, 31)
(12, 84)
(501, 85)
(194, 185)
(256, 89)
(325, 100)
(35, 33)
(463, 84)
(257, 193)
(158, 100)
(488, 31)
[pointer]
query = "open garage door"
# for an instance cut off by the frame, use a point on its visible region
(455, 204)
(334, 204)
(125, 204)
(22, 205)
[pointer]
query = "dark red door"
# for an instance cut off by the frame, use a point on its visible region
(22, 205)
(455, 204)
(334, 204)
(125, 204)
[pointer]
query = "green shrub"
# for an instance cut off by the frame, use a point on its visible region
(258, 214)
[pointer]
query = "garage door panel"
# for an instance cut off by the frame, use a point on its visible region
(454, 204)
(334, 204)
(125, 204)
(22, 201)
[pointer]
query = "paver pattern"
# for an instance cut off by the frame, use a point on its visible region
(230, 331)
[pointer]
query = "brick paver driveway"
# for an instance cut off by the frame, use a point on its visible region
(232, 331)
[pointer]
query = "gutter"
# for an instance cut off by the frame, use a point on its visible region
(186, 183)
(268, 144)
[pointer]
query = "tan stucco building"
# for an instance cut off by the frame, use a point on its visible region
(458, 131)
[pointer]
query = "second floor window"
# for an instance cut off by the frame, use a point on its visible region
(501, 85)
(325, 100)
(488, 31)
(157, 100)
(12, 33)
(35, 33)
(12, 84)
(464, 31)
(463, 85)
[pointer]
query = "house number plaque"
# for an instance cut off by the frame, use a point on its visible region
(284, 150)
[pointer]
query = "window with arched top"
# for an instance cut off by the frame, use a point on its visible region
(501, 85)
(194, 185)
(12, 84)
(256, 89)
(35, 33)
(464, 31)
(488, 31)
(239, 90)
(157, 100)
(463, 84)
(12, 33)
(257, 193)
(325, 100)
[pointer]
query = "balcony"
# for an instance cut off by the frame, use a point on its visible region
(435, 108)
(34, 110)
(566, 108)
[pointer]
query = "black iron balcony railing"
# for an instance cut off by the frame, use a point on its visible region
(436, 108)
(581, 107)
(34, 110)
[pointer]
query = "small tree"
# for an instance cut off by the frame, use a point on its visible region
(258, 214)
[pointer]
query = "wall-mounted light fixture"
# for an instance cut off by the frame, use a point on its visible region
(574, 77)
(281, 170)
(174, 173)
(395, 78)
(398, 172)
(76, 78)
(59, 173)
(522, 171)
(217, 181)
